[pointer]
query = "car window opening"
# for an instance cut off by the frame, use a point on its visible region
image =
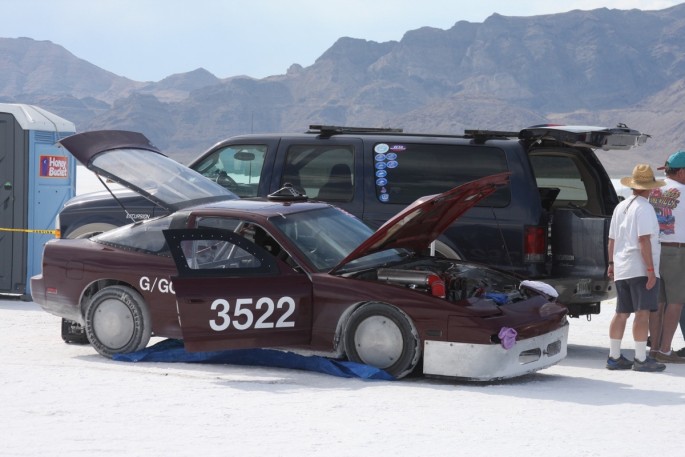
(251, 232)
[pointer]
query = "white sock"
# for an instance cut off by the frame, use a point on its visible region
(640, 350)
(614, 348)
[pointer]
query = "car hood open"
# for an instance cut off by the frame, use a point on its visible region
(420, 223)
(131, 160)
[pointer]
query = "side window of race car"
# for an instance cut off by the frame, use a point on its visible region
(215, 254)
(212, 252)
(217, 246)
(252, 232)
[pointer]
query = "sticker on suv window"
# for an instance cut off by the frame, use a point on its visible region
(386, 158)
(381, 148)
(381, 172)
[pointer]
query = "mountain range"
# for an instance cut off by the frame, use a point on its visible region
(598, 67)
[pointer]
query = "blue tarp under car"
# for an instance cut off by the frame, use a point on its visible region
(173, 351)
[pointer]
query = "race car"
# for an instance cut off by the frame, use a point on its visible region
(289, 273)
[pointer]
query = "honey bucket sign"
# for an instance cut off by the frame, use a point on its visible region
(54, 167)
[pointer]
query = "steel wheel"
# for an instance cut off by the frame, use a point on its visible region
(382, 336)
(117, 321)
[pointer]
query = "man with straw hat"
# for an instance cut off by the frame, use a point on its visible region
(634, 266)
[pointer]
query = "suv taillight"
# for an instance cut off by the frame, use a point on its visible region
(535, 244)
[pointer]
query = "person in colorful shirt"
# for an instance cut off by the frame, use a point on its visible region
(633, 250)
(669, 205)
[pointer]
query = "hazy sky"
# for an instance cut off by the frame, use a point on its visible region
(147, 40)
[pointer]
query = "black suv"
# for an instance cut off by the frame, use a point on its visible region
(550, 224)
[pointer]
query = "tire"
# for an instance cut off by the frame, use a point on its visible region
(117, 321)
(73, 332)
(384, 337)
(88, 230)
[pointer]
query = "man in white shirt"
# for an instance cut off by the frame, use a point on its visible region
(634, 266)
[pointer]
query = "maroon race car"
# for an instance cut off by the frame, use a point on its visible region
(284, 272)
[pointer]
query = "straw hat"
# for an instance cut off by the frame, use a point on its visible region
(642, 178)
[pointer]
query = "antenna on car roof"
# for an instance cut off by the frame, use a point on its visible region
(287, 193)
(330, 130)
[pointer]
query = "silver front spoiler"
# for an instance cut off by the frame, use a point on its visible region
(489, 362)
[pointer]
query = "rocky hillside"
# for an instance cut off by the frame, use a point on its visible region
(585, 67)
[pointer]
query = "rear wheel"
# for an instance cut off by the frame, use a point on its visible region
(384, 337)
(117, 321)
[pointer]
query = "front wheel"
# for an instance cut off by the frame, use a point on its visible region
(117, 321)
(382, 336)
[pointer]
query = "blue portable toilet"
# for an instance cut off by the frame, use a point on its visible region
(36, 179)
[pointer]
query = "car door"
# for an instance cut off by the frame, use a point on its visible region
(230, 293)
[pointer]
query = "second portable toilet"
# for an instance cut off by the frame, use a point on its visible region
(36, 179)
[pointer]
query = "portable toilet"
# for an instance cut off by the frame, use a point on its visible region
(36, 179)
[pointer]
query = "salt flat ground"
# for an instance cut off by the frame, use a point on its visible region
(66, 400)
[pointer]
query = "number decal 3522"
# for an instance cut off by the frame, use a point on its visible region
(242, 317)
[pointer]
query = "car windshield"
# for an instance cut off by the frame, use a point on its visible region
(158, 176)
(326, 236)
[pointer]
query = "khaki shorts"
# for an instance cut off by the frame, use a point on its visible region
(672, 272)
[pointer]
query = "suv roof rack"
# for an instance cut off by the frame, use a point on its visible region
(481, 135)
(330, 130)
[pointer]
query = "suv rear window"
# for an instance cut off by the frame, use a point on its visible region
(405, 172)
(563, 172)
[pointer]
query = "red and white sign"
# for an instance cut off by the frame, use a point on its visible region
(54, 167)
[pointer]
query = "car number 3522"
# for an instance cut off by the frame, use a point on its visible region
(242, 317)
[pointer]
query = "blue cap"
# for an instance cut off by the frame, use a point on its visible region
(675, 160)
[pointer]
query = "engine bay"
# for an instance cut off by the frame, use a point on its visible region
(455, 281)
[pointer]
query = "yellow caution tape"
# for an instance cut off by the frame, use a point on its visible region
(44, 232)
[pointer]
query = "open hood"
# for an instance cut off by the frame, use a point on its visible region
(620, 137)
(131, 160)
(420, 223)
